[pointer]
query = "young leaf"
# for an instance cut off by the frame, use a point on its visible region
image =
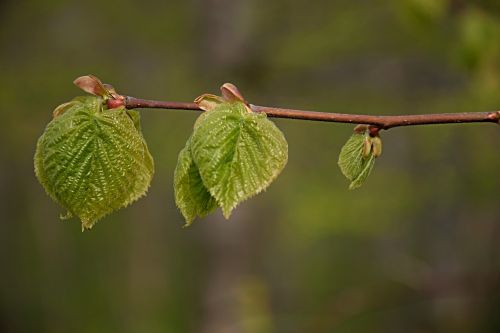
(238, 153)
(92, 160)
(191, 196)
(355, 160)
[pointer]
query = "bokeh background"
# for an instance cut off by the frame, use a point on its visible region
(416, 249)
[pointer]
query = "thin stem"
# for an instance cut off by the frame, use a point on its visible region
(382, 122)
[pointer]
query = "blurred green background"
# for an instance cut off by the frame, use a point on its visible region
(416, 249)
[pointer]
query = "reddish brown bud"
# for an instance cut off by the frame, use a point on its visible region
(373, 131)
(115, 103)
(231, 93)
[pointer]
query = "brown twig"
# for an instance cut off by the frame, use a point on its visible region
(381, 122)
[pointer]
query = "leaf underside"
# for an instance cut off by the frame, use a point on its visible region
(352, 163)
(238, 153)
(191, 195)
(92, 160)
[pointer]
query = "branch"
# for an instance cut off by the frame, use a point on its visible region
(93, 85)
(381, 122)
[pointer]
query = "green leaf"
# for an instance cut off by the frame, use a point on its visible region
(355, 161)
(93, 161)
(191, 196)
(238, 153)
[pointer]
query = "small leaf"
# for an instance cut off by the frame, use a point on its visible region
(238, 153)
(191, 195)
(353, 162)
(92, 160)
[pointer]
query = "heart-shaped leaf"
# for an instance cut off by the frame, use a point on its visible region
(93, 160)
(238, 153)
(191, 195)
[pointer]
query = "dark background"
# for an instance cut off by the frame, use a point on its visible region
(416, 249)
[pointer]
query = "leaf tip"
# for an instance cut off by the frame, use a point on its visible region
(87, 223)
(188, 218)
(226, 212)
(354, 185)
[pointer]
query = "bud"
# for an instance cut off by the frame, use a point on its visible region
(231, 94)
(207, 102)
(91, 85)
(376, 146)
(367, 146)
(115, 103)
